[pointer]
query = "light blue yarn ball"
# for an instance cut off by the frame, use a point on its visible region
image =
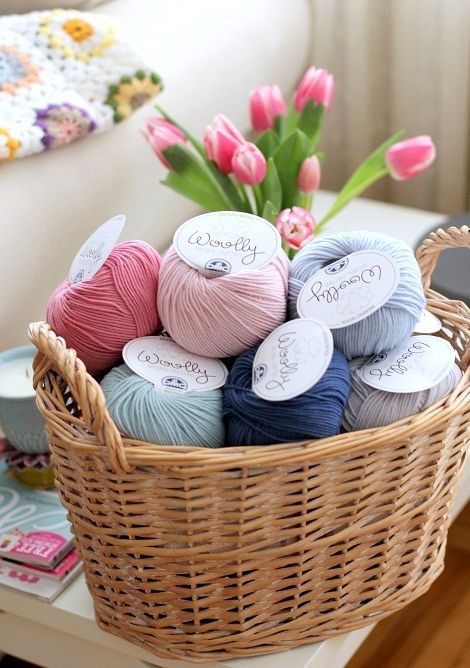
(142, 412)
(393, 322)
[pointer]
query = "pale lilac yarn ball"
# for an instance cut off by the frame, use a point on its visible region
(225, 315)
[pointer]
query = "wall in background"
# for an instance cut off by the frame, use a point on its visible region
(398, 64)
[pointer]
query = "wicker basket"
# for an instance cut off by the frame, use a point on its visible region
(210, 554)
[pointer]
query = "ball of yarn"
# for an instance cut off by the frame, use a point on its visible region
(225, 315)
(97, 317)
(369, 407)
(316, 413)
(393, 322)
(142, 412)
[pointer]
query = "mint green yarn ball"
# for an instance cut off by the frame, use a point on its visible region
(165, 418)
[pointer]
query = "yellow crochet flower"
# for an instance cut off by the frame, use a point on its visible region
(132, 92)
(73, 37)
(78, 29)
(9, 145)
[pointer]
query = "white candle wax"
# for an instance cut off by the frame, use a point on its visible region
(16, 378)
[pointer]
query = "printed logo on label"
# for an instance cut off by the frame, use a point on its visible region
(292, 359)
(96, 249)
(227, 242)
(367, 280)
(336, 267)
(419, 364)
(218, 265)
(170, 368)
(259, 373)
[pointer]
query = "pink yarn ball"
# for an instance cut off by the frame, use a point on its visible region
(97, 317)
(225, 315)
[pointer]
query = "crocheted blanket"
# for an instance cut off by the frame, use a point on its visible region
(65, 74)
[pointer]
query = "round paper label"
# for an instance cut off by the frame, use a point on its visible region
(428, 323)
(227, 242)
(420, 363)
(170, 368)
(292, 359)
(350, 289)
(96, 249)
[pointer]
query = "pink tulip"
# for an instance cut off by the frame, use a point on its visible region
(406, 159)
(162, 134)
(220, 141)
(266, 103)
(249, 164)
(318, 85)
(295, 226)
(308, 179)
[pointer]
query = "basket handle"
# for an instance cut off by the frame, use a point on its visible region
(428, 253)
(53, 353)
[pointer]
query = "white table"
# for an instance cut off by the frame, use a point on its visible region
(65, 635)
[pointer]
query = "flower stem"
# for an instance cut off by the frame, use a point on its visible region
(244, 197)
(258, 198)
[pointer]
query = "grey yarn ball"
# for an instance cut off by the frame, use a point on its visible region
(368, 407)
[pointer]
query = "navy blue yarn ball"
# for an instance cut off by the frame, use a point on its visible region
(317, 413)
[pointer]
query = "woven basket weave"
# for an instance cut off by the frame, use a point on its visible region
(209, 554)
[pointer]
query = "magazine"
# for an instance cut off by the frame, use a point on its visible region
(33, 582)
(33, 524)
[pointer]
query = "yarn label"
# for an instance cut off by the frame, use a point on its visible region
(428, 323)
(292, 359)
(96, 249)
(227, 242)
(417, 365)
(170, 368)
(349, 289)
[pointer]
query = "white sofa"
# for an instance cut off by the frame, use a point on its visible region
(209, 54)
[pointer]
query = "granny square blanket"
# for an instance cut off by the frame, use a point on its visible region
(65, 74)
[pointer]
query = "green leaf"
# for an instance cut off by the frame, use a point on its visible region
(269, 212)
(370, 171)
(311, 121)
(271, 188)
(291, 121)
(268, 143)
(181, 185)
(227, 186)
(184, 162)
(288, 158)
(195, 172)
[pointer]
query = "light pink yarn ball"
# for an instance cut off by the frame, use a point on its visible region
(225, 315)
(97, 317)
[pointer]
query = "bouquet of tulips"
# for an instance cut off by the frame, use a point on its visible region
(276, 175)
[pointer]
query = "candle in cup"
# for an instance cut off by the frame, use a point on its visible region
(16, 378)
(20, 419)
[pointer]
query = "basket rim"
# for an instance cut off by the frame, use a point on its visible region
(145, 453)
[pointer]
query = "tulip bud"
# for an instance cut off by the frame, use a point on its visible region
(220, 141)
(406, 159)
(249, 164)
(266, 103)
(318, 85)
(295, 226)
(308, 179)
(162, 134)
